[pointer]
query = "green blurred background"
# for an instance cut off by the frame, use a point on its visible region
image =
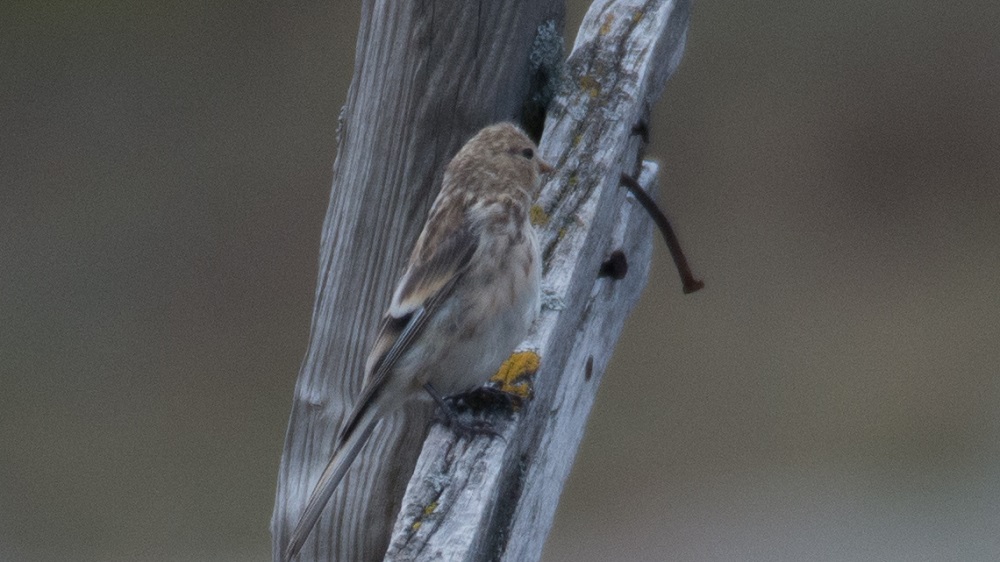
(832, 169)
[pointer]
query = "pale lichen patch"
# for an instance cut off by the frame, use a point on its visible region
(609, 20)
(538, 216)
(590, 85)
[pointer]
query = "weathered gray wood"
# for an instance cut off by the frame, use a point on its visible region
(494, 499)
(428, 74)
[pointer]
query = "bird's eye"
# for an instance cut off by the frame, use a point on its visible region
(528, 153)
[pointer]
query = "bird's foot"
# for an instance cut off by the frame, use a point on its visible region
(468, 414)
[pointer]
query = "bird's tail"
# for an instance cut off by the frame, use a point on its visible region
(356, 433)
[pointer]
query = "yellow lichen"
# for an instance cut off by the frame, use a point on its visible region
(429, 509)
(538, 216)
(514, 376)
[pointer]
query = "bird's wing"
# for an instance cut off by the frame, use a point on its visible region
(424, 286)
(438, 263)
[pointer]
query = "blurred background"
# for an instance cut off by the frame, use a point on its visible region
(832, 170)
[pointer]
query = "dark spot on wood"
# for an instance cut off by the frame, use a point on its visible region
(588, 370)
(394, 324)
(615, 267)
(642, 129)
(508, 498)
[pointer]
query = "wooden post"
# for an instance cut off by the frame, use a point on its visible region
(427, 76)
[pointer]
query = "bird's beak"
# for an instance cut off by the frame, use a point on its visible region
(544, 168)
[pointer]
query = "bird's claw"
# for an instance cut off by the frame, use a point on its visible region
(466, 413)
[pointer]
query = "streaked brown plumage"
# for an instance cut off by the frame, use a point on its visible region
(468, 296)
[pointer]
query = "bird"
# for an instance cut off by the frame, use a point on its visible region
(469, 293)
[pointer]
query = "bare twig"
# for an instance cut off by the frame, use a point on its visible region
(673, 244)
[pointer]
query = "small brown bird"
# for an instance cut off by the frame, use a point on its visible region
(469, 294)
